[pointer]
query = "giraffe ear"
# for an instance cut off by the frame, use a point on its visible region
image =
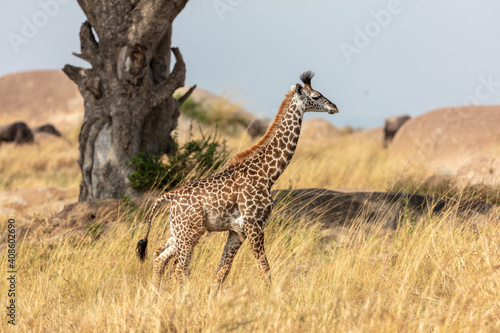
(298, 89)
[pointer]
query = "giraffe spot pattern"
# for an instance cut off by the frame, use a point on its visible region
(238, 199)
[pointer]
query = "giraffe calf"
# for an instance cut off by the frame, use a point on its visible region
(237, 199)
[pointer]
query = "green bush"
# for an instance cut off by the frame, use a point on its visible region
(194, 159)
(221, 116)
(194, 110)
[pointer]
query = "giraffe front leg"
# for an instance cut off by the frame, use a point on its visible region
(255, 234)
(232, 246)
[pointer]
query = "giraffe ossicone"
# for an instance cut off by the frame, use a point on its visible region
(237, 199)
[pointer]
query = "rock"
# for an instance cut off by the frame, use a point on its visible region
(222, 108)
(372, 134)
(257, 128)
(482, 170)
(21, 201)
(41, 96)
(445, 141)
(318, 129)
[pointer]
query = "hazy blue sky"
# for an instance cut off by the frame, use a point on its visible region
(372, 58)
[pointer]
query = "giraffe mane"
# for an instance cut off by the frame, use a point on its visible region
(249, 152)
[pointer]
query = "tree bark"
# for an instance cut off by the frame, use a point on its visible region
(127, 91)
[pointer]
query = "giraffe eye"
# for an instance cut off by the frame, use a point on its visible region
(316, 97)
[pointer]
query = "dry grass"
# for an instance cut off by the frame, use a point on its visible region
(432, 274)
(438, 273)
(342, 162)
(332, 163)
(52, 163)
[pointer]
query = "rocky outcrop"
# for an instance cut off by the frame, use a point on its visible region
(375, 135)
(318, 129)
(39, 96)
(462, 142)
(221, 108)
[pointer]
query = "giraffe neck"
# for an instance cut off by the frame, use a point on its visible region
(277, 154)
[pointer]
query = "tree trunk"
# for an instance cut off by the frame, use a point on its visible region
(127, 91)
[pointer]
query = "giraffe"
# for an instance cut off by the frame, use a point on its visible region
(237, 199)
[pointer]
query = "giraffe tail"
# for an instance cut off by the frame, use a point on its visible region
(143, 243)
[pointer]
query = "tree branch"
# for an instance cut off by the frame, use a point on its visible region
(86, 79)
(173, 81)
(76, 74)
(188, 93)
(90, 8)
(151, 18)
(89, 46)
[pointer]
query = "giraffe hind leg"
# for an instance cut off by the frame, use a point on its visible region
(161, 259)
(189, 229)
(186, 248)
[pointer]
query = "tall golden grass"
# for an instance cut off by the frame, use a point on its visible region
(52, 162)
(430, 274)
(435, 273)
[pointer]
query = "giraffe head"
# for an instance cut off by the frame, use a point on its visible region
(312, 100)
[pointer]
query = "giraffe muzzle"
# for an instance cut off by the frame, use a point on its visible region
(333, 110)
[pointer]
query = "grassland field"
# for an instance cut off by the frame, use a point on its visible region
(434, 273)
